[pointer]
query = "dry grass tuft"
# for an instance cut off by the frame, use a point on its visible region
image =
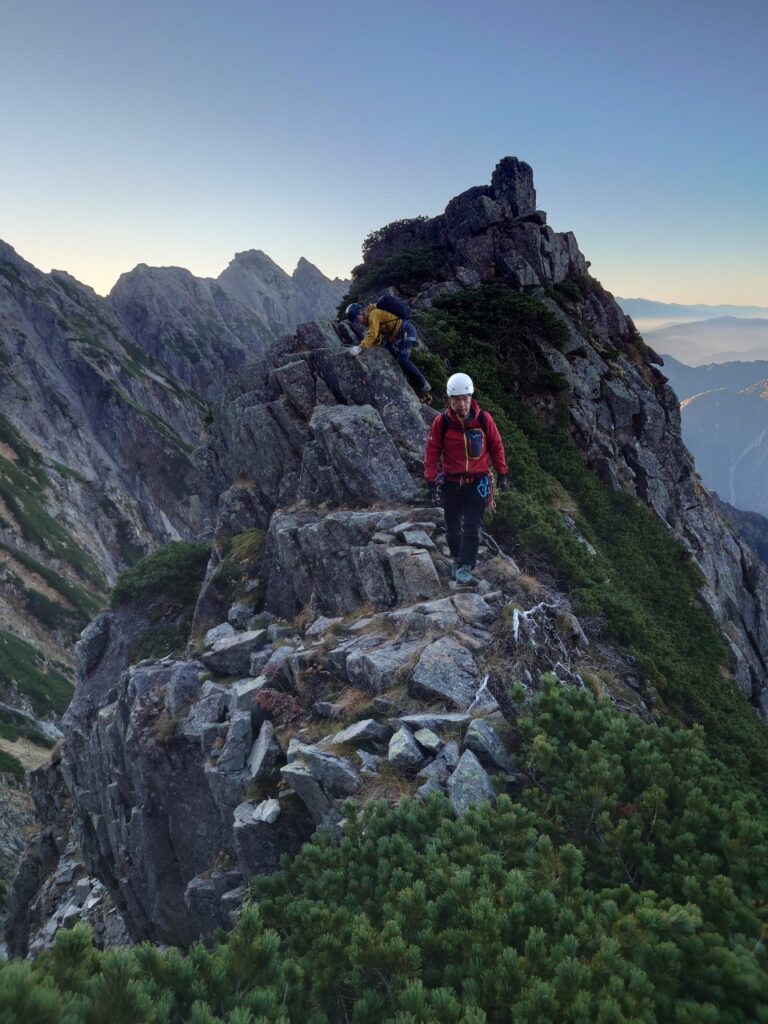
(390, 785)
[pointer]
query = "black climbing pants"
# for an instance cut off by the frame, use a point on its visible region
(409, 368)
(464, 507)
(411, 371)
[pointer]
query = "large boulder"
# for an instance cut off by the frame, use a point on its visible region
(353, 459)
(469, 784)
(446, 671)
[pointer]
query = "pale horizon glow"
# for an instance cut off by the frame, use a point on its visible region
(182, 133)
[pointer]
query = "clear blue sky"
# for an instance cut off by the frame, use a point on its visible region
(179, 132)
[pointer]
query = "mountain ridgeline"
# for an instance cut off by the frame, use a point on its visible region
(542, 798)
(102, 404)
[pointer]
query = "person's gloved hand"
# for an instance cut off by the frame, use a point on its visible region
(354, 350)
(502, 482)
(435, 494)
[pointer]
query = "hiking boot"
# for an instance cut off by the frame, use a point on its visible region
(425, 395)
(454, 569)
(464, 575)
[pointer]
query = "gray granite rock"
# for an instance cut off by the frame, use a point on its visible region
(237, 744)
(483, 740)
(443, 765)
(370, 764)
(367, 731)
(430, 787)
(93, 642)
(413, 574)
(232, 655)
(301, 779)
(335, 774)
(439, 723)
(377, 669)
(469, 784)
(264, 755)
(445, 671)
(322, 624)
(404, 752)
(243, 692)
(428, 740)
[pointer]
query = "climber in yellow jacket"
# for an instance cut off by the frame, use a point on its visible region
(399, 336)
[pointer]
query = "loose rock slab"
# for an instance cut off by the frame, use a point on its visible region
(232, 655)
(404, 752)
(469, 784)
(446, 671)
(483, 740)
(367, 731)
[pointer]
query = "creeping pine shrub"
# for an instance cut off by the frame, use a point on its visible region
(172, 571)
(389, 231)
(411, 268)
(626, 884)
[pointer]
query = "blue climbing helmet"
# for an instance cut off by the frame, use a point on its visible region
(353, 311)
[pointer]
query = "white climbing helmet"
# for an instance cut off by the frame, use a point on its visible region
(459, 384)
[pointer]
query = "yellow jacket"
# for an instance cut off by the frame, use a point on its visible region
(382, 326)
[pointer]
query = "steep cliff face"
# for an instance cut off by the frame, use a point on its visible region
(107, 424)
(204, 331)
(190, 325)
(280, 300)
(95, 469)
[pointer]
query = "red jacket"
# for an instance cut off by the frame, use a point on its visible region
(450, 436)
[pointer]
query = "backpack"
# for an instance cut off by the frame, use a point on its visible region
(391, 304)
(446, 420)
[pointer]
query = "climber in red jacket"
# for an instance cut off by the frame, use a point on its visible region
(469, 442)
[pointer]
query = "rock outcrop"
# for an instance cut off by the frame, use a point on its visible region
(623, 413)
(96, 469)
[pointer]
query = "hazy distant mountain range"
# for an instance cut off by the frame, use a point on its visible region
(719, 340)
(649, 315)
(724, 410)
(694, 380)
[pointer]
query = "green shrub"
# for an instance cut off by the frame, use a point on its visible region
(174, 571)
(21, 665)
(409, 269)
(389, 231)
(12, 765)
(86, 603)
(13, 725)
(626, 884)
(22, 489)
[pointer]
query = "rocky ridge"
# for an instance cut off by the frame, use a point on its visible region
(205, 330)
(350, 666)
(623, 414)
(95, 454)
(102, 406)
